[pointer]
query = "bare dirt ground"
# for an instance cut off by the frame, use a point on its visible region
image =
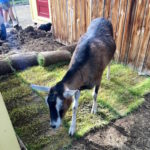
(129, 133)
(29, 38)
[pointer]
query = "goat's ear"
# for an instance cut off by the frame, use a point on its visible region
(40, 88)
(70, 93)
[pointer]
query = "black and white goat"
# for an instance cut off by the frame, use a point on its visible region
(93, 53)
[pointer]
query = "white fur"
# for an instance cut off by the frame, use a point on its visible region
(58, 106)
(40, 88)
(74, 112)
(46, 100)
(94, 107)
(69, 93)
(108, 72)
(57, 123)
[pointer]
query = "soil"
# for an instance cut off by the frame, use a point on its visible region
(27, 40)
(129, 133)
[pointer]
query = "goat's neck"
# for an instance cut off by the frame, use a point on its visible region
(74, 82)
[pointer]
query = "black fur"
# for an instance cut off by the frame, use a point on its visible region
(80, 59)
(56, 91)
(45, 27)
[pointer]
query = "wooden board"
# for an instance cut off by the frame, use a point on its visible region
(145, 34)
(120, 30)
(8, 140)
(136, 32)
(127, 30)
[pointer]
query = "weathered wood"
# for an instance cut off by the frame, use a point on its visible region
(83, 17)
(115, 13)
(121, 22)
(107, 9)
(94, 10)
(146, 63)
(77, 19)
(136, 32)
(127, 30)
(100, 4)
(69, 48)
(145, 35)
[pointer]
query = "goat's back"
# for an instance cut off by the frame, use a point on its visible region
(94, 51)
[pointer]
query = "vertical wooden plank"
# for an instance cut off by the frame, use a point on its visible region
(82, 17)
(145, 34)
(107, 8)
(134, 48)
(53, 16)
(70, 20)
(61, 24)
(74, 23)
(146, 64)
(88, 13)
(77, 19)
(100, 4)
(115, 14)
(94, 9)
(127, 30)
(8, 138)
(65, 20)
(120, 30)
(57, 19)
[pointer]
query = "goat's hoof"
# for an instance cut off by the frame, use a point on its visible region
(71, 131)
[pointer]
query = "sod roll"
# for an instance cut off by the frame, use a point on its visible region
(52, 57)
(5, 67)
(23, 60)
(69, 48)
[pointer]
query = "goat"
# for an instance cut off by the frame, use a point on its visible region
(93, 53)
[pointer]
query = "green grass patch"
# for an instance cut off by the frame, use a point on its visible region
(117, 98)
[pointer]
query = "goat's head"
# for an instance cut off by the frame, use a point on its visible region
(58, 100)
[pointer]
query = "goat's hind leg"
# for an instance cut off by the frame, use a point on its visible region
(108, 72)
(95, 92)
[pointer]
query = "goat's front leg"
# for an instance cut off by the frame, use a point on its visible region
(74, 113)
(94, 107)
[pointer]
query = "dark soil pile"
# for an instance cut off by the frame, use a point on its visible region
(33, 39)
(131, 132)
(29, 39)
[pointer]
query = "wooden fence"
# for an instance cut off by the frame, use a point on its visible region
(130, 19)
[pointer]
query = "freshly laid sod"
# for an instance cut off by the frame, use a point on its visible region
(30, 116)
